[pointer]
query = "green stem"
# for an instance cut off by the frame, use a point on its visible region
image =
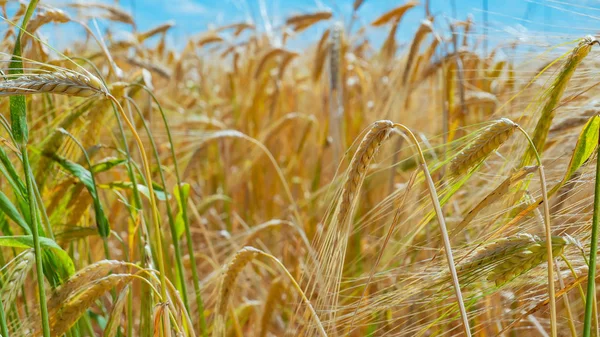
(174, 238)
(188, 233)
(36, 242)
(3, 326)
(587, 323)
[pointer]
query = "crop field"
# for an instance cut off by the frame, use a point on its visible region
(273, 181)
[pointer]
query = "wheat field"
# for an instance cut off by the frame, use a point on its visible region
(235, 185)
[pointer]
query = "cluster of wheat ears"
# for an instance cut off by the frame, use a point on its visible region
(235, 187)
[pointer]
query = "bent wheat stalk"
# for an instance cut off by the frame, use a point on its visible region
(442, 222)
(548, 232)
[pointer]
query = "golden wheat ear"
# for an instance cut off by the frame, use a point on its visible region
(59, 82)
(482, 146)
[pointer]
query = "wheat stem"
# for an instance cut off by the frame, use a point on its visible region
(442, 222)
(3, 326)
(153, 205)
(36, 242)
(188, 234)
(548, 233)
(587, 323)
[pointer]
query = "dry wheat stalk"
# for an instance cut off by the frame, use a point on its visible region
(58, 82)
(14, 282)
(485, 143)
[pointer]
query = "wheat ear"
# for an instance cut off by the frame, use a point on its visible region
(485, 143)
(82, 278)
(58, 82)
(359, 165)
(230, 274)
(23, 264)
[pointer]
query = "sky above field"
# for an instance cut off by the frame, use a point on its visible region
(534, 20)
(540, 23)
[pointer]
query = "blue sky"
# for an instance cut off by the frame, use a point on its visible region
(533, 22)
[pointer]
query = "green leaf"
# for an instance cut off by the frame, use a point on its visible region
(11, 173)
(7, 207)
(158, 191)
(586, 143)
(85, 177)
(107, 164)
(179, 192)
(55, 253)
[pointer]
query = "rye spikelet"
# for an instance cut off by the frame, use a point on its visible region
(59, 82)
(485, 143)
(505, 259)
(10, 288)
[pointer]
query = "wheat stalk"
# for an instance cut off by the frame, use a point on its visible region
(485, 143)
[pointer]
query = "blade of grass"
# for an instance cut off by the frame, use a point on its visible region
(590, 296)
